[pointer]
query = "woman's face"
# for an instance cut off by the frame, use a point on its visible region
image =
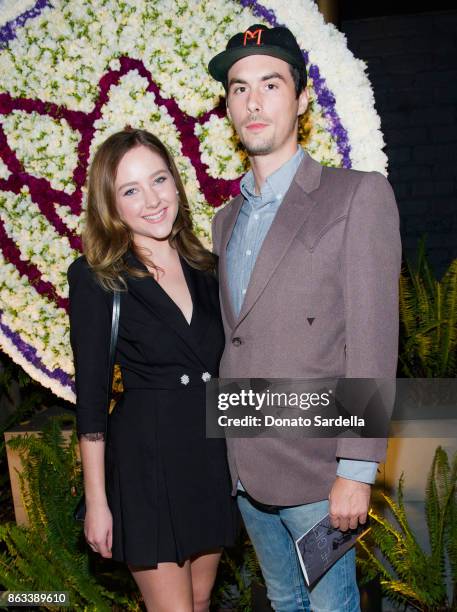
(146, 197)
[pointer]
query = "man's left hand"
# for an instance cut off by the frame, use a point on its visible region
(349, 502)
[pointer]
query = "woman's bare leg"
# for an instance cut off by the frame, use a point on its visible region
(172, 588)
(166, 588)
(203, 569)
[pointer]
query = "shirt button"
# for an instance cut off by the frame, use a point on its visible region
(237, 341)
(256, 216)
(243, 291)
(279, 196)
(248, 252)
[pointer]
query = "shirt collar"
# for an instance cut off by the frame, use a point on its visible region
(275, 185)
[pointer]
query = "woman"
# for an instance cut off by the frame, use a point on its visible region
(166, 509)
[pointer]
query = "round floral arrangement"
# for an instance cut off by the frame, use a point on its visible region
(74, 71)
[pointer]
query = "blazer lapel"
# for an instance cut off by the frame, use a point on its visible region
(207, 318)
(226, 233)
(160, 303)
(292, 214)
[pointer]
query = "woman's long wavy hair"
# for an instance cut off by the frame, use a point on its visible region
(106, 238)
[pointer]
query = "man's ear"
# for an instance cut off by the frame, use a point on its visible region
(227, 109)
(303, 100)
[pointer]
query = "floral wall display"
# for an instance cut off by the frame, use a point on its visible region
(74, 71)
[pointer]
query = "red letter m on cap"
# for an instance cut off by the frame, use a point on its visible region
(249, 34)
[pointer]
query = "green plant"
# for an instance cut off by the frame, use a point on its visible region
(50, 554)
(408, 574)
(25, 396)
(428, 315)
(238, 571)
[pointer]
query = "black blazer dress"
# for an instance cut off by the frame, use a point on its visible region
(167, 485)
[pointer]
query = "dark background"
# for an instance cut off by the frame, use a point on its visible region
(411, 54)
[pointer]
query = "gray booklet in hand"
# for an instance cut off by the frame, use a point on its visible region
(322, 545)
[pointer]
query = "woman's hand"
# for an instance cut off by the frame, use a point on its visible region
(98, 523)
(98, 529)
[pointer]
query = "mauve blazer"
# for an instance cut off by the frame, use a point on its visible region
(322, 302)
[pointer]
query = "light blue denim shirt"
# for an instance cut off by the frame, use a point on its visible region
(252, 225)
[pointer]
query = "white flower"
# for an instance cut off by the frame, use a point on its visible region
(185, 379)
(4, 172)
(206, 376)
(37, 240)
(14, 9)
(45, 146)
(218, 148)
(115, 64)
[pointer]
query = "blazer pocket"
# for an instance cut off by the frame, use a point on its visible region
(312, 241)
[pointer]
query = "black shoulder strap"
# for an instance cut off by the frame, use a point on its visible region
(114, 330)
(113, 344)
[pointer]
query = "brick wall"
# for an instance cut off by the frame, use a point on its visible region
(412, 65)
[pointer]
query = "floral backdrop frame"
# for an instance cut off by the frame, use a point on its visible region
(74, 71)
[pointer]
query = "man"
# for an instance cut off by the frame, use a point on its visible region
(309, 265)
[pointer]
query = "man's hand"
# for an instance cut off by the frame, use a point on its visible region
(349, 501)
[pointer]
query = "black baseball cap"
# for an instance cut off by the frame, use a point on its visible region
(257, 40)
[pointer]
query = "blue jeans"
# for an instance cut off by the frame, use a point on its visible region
(273, 536)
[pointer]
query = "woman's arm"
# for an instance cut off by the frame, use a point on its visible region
(90, 330)
(93, 460)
